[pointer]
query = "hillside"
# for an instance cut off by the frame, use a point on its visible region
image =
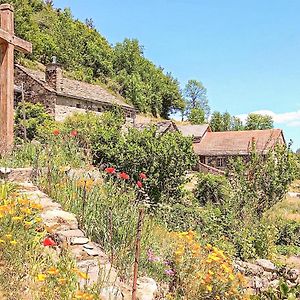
(88, 56)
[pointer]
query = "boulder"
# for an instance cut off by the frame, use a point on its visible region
(266, 265)
(147, 288)
(111, 293)
(59, 219)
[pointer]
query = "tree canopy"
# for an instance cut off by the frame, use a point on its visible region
(88, 56)
(259, 122)
(196, 97)
(225, 122)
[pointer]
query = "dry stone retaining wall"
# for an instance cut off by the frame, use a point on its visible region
(89, 256)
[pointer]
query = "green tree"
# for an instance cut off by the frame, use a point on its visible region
(196, 97)
(236, 124)
(216, 121)
(259, 122)
(196, 116)
(86, 55)
(28, 118)
(225, 122)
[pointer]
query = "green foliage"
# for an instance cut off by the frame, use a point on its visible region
(288, 232)
(225, 122)
(86, 55)
(257, 121)
(35, 116)
(196, 97)
(213, 189)
(142, 82)
(282, 292)
(262, 181)
(196, 116)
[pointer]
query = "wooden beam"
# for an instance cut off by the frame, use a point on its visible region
(20, 45)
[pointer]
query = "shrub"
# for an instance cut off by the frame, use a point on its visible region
(288, 232)
(35, 116)
(164, 158)
(213, 189)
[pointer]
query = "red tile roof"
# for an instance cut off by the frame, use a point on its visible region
(237, 142)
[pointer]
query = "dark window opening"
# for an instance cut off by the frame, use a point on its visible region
(78, 105)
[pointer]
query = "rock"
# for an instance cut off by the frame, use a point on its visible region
(266, 265)
(111, 293)
(104, 274)
(91, 252)
(147, 288)
(67, 235)
(79, 241)
(59, 219)
(88, 246)
(267, 275)
(293, 275)
(256, 283)
(248, 268)
(274, 283)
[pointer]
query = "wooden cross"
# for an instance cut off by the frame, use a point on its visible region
(8, 42)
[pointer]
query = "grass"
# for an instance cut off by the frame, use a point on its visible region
(28, 269)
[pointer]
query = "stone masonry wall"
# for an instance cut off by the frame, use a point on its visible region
(35, 92)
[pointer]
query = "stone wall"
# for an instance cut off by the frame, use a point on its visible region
(67, 106)
(35, 92)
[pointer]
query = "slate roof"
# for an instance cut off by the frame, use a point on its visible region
(193, 130)
(238, 142)
(78, 90)
(161, 127)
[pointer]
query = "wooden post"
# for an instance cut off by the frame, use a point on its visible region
(8, 43)
(24, 113)
(137, 251)
(7, 82)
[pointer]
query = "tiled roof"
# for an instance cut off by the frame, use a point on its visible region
(193, 130)
(237, 142)
(78, 89)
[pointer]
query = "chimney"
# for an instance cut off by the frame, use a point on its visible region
(54, 75)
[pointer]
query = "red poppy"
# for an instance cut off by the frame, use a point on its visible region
(143, 176)
(56, 132)
(139, 184)
(124, 176)
(74, 133)
(110, 170)
(48, 242)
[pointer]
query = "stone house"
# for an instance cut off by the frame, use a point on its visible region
(62, 96)
(197, 132)
(216, 148)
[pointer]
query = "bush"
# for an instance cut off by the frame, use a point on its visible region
(288, 232)
(213, 189)
(35, 116)
(164, 158)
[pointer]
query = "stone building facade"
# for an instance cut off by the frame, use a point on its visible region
(217, 148)
(62, 96)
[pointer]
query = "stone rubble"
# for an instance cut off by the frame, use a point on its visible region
(263, 274)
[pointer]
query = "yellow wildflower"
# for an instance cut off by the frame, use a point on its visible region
(8, 236)
(17, 218)
(83, 275)
(53, 271)
(41, 277)
(2, 241)
(62, 280)
(38, 219)
(14, 242)
(209, 288)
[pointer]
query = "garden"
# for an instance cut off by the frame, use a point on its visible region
(123, 183)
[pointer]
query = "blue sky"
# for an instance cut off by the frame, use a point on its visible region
(246, 53)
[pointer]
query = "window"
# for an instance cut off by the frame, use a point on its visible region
(99, 109)
(220, 162)
(78, 105)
